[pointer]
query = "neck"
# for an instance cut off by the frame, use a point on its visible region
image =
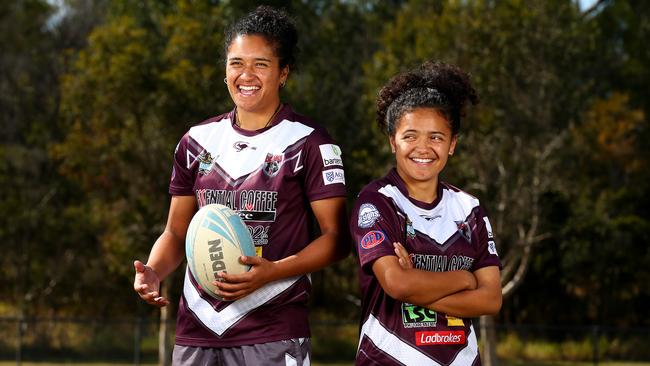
(423, 191)
(257, 120)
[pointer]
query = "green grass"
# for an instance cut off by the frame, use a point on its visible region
(570, 363)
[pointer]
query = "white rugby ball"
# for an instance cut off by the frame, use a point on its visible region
(215, 240)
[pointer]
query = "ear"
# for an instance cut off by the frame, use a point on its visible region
(452, 147)
(284, 74)
(391, 140)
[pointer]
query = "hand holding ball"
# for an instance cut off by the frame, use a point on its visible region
(216, 238)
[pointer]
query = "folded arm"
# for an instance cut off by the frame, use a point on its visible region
(416, 286)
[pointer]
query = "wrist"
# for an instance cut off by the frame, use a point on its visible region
(147, 267)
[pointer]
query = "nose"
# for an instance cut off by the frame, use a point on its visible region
(248, 72)
(422, 143)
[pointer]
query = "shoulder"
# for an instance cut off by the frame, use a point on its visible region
(208, 124)
(457, 197)
(301, 121)
(370, 194)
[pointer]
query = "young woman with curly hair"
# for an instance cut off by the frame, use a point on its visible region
(428, 260)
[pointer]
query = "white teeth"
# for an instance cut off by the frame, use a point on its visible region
(248, 88)
(418, 160)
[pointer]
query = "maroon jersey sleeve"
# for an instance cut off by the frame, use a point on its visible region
(182, 179)
(323, 167)
(375, 226)
(484, 239)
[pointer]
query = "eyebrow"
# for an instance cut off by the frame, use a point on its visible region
(256, 59)
(428, 132)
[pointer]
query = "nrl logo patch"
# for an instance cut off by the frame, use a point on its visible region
(272, 164)
(205, 162)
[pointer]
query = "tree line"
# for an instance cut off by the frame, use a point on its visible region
(94, 97)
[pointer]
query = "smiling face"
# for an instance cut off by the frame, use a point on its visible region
(422, 143)
(253, 74)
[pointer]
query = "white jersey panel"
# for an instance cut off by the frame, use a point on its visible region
(387, 341)
(453, 207)
(221, 321)
(219, 139)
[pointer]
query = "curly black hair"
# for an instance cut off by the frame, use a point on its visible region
(434, 84)
(272, 24)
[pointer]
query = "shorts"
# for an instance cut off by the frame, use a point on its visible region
(291, 352)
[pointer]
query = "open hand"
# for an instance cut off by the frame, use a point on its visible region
(147, 285)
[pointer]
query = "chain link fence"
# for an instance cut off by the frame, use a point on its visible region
(135, 341)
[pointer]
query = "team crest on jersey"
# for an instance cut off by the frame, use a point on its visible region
(272, 164)
(205, 162)
(368, 215)
(464, 230)
(410, 231)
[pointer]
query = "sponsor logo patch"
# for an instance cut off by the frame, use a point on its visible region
(488, 227)
(368, 215)
(332, 176)
(372, 239)
(492, 247)
(452, 321)
(331, 155)
(414, 316)
(434, 338)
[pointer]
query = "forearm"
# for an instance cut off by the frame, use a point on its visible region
(166, 254)
(468, 304)
(486, 299)
(424, 287)
(417, 286)
(324, 250)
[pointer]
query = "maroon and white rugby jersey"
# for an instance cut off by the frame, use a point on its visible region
(269, 177)
(449, 234)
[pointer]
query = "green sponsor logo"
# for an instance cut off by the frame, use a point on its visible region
(336, 150)
(414, 316)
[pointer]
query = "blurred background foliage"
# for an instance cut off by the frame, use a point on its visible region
(94, 96)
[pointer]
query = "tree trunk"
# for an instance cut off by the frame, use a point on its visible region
(489, 341)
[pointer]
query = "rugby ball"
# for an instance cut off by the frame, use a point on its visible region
(215, 240)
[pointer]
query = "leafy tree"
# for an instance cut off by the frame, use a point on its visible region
(130, 95)
(39, 231)
(609, 223)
